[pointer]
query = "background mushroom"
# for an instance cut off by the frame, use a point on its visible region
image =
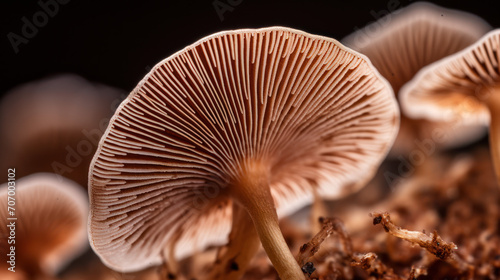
(464, 88)
(54, 125)
(50, 229)
(403, 42)
(258, 118)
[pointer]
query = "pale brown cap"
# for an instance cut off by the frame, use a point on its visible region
(453, 89)
(50, 217)
(317, 113)
(403, 42)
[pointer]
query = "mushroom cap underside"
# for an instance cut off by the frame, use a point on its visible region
(317, 114)
(454, 88)
(401, 43)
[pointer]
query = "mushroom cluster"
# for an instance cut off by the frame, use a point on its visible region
(250, 122)
(402, 43)
(194, 174)
(464, 87)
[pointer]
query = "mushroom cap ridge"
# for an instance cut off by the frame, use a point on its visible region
(448, 89)
(401, 43)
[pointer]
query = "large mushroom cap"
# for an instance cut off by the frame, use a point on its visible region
(50, 229)
(403, 42)
(54, 125)
(318, 114)
(455, 87)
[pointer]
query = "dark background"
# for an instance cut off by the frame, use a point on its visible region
(116, 42)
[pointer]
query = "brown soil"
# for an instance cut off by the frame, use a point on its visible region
(442, 222)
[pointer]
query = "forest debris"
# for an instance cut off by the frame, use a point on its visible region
(308, 268)
(457, 196)
(372, 264)
(330, 225)
(433, 244)
(417, 272)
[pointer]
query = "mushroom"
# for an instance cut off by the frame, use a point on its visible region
(54, 125)
(403, 42)
(47, 218)
(242, 124)
(463, 88)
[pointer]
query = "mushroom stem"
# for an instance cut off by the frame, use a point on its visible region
(254, 193)
(233, 259)
(33, 269)
(170, 266)
(493, 103)
(40, 274)
(318, 210)
(46, 277)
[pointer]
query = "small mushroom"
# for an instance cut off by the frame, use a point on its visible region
(47, 218)
(242, 123)
(464, 88)
(54, 125)
(403, 42)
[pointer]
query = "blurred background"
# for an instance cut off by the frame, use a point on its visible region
(116, 42)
